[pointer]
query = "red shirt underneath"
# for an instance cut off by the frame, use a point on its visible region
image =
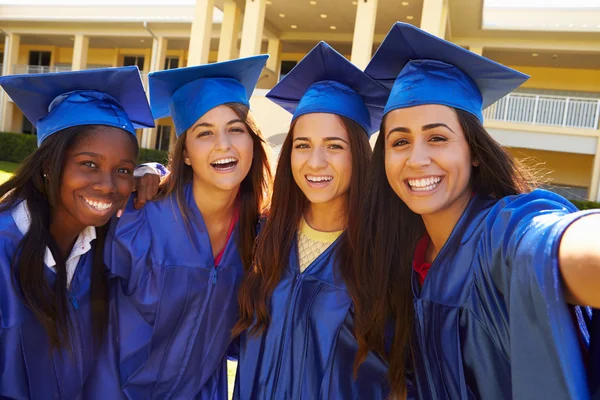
(234, 220)
(419, 264)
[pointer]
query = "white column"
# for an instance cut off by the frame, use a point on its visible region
(201, 32)
(80, 52)
(477, 50)
(157, 63)
(11, 56)
(434, 17)
(364, 29)
(252, 32)
(594, 192)
(274, 61)
(230, 31)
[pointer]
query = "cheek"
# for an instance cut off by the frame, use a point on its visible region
(198, 152)
(245, 147)
(125, 185)
(344, 168)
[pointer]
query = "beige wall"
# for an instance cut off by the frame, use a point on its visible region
(585, 80)
(558, 168)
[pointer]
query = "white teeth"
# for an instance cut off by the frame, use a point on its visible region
(319, 178)
(98, 205)
(424, 184)
(224, 160)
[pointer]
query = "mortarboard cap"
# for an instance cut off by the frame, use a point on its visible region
(186, 94)
(420, 68)
(56, 101)
(326, 82)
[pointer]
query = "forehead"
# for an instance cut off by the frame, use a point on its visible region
(320, 125)
(219, 114)
(418, 116)
(106, 141)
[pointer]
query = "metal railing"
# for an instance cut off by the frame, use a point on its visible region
(573, 112)
(38, 69)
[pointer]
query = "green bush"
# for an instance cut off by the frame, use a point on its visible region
(585, 204)
(151, 155)
(14, 147)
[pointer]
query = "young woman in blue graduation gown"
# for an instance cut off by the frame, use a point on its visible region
(476, 270)
(181, 257)
(54, 215)
(296, 327)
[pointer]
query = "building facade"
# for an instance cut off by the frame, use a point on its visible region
(551, 123)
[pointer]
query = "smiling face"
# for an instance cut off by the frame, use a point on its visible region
(97, 177)
(427, 159)
(321, 158)
(219, 149)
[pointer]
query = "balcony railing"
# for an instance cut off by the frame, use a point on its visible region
(573, 112)
(38, 69)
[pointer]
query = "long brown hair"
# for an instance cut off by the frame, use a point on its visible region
(49, 303)
(388, 233)
(274, 243)
(254, 189)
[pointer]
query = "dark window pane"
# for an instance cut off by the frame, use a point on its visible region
(163, 137)
(28, 127)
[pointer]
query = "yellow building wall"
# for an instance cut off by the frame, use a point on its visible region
(17, 119)
(558, 168)
(568, 79)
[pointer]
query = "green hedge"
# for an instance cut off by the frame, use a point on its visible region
(14, 147)
(585, 204)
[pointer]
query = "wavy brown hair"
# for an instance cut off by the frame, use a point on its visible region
(274, 243)
(255, 189)
(388, 233)
(48, 302)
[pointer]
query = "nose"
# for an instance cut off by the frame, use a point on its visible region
(105, 183)
(419, 155)
(318, 159)
(223, 141)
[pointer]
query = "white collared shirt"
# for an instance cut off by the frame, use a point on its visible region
(82, 245)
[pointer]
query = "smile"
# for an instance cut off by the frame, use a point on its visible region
(98, 205)
(426, 184)
(318, 181)
(227, 164)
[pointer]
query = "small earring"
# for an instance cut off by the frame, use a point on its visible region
(187, 161)
(476, 163)
(45, 175)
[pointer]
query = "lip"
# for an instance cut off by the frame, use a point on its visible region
(424, 193)
(99, 212)
(319, 184)
(234, 161)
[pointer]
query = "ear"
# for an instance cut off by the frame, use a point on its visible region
(186, 159)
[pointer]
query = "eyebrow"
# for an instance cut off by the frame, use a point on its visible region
(100, 156)
(326, 139)
(427, 127)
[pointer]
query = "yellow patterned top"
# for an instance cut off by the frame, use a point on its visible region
(311, 243)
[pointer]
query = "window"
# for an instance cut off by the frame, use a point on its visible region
(41, 58)
(163, 137)
(286, 67)
(134, 60)
(171, 62)
(28, 127)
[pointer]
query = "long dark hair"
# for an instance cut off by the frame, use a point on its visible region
(38, 182)
(388, 233)
(274, 243)
(254, 190)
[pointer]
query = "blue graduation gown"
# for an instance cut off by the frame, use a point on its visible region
(175, 309)
(28, 369)
(308, 349)
(594, 359)
(491, 318)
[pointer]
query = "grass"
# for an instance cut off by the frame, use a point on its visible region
(6, 170)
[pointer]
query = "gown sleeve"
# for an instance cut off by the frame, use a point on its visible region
(594, 359)
(519, 259)
(127, 255)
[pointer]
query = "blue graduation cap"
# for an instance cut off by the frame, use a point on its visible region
(420, 68)
(186, 94)
(56, 101)
(326, 82)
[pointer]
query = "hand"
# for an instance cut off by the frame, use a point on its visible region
(147, 188)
